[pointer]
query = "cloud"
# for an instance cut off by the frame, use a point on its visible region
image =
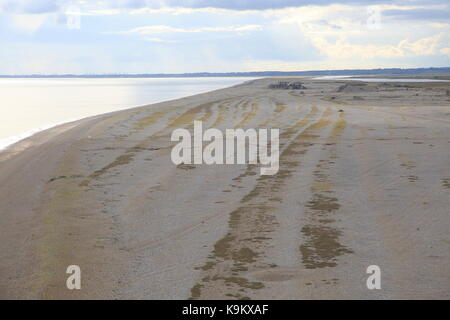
(29, 6)
(159, 40)
(341, 32)
(167, 29)
(242, 5)
(260, 4)
(98, 7)
(343, 49)
(442, 14)
(198, 35)
(28, 22)
(46, 6)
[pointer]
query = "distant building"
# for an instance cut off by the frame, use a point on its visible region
(287, 85)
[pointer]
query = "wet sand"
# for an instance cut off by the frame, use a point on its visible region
(364, 179)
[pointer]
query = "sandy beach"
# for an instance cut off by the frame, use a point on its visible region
(364, 179)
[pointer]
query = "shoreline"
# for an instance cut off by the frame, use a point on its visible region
(363, 180)
(9, 141)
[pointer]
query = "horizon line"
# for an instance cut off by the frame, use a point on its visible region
(398, 70)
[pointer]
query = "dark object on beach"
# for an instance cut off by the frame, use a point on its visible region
(287, 85)
(340, 110)
(351, 87)
(357, 87)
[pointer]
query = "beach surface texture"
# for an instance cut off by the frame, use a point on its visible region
(364, 179)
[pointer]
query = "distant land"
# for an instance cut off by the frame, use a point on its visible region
(346, 72)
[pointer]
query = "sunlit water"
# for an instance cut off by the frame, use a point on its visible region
(31, 105)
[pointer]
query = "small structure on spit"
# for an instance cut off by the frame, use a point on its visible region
(287, 85)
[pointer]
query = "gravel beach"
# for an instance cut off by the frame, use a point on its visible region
(364, 179)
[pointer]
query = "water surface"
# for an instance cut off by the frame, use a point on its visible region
(30, 105)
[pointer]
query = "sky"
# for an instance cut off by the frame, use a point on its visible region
(178, 36)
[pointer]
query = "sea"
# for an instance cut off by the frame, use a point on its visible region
(30, 105)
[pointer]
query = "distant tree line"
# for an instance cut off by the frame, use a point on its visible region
(346, 72)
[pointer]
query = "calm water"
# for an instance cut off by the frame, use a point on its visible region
(30, 105)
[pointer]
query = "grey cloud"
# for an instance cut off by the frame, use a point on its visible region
(44, 6)
(326, 24)
(275, 4)
(419, 14)
(254, 4)
(132, 4)
(30, 6)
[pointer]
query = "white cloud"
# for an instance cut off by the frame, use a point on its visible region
(182, 10)
(101, 12)
(160, 40)
(343, 49)
(168, 29)
(440, 25)
(297, 38)
(341, 32)
(28, 22)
